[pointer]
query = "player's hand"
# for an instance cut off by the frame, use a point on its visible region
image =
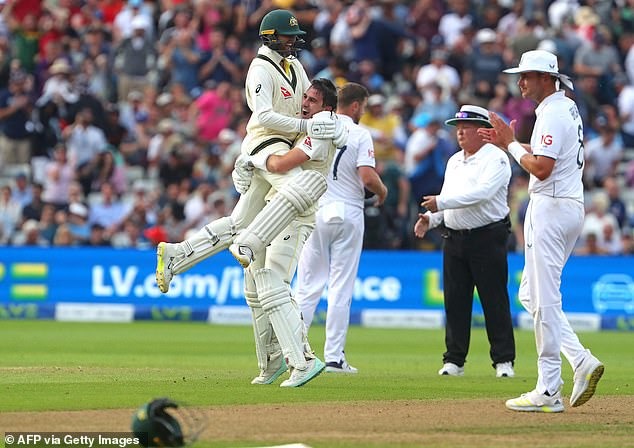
(422, 225)
(429, 202)
(501, 134)
(341, 134)
(320, 127)
(242, 174)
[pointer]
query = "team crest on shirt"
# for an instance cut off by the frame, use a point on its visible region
(308, 143)
(547, 140)
(285, 92)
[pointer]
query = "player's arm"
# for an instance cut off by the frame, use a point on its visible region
(372, 181)
(281, 163)
(261, 87)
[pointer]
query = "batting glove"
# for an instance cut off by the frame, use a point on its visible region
(242, 174)
(341, 134)
(318, 127)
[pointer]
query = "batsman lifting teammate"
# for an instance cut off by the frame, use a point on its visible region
(276, 87)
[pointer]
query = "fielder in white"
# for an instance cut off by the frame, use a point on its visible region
(332, 252)
(553, 223)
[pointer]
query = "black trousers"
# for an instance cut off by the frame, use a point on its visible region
(477, 258)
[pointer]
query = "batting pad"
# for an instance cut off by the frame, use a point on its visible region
(265, 340)
(208, 241)
(275, 298)
(296, 197)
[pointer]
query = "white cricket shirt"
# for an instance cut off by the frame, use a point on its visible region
(558, 134)
(274, 97)
(475, 189)
(344, 183)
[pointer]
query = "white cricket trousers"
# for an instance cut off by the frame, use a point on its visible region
(331, 258)
(551, 229)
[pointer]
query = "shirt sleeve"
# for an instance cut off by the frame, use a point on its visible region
(549, 136)
(365, 153)
(260, 86)
(317, 148)
(492, 176)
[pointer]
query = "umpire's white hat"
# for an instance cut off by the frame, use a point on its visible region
(541, 61)
(470, 113)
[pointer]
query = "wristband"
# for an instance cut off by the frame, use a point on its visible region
(516, 150)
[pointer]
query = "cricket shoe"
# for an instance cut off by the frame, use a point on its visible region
(451, 369)
(341, 367)
(586, 377)
(165, 256)
(275, 367)
(300, 377)
(504, 370)
(534, 401)
(243, 254)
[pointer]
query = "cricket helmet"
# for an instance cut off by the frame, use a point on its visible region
(155, 427)
(281, 22)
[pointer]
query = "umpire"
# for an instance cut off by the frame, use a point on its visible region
(472, 206)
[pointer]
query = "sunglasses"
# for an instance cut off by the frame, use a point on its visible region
(470, 115)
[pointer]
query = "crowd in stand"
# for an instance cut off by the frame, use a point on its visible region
(120, 120)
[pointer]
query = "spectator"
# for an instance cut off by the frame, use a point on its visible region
(59, 174)
(453, 23)
(426, 155)
(219, 63)
(84, 142)
(598, 58)
(440, 73)
(63, 236)
(387, 226)
(483, 67)
(616, 205)
(602, 153)
(33, 210)
(10, 215)
(182, 57)
(625, 103)
(600, 221)
(130, 235)
(124, 23)
(47, 223)
(59, 88)
(135, 59)
(22, 191)
(211, 111)
(434, 105)
(29, 235)
(590, 246)
(98, 236)
(386, 129)
(15, 111)
(78, 222)
(109, 212)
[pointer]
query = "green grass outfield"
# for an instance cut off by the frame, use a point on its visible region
(48, 365)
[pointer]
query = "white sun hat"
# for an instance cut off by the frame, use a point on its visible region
(541, 61)
(470, 113)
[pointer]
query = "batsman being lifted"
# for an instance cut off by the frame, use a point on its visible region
(277, 92)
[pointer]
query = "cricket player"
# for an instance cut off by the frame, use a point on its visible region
(554, 220)
(332, 252)
(269, 270)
